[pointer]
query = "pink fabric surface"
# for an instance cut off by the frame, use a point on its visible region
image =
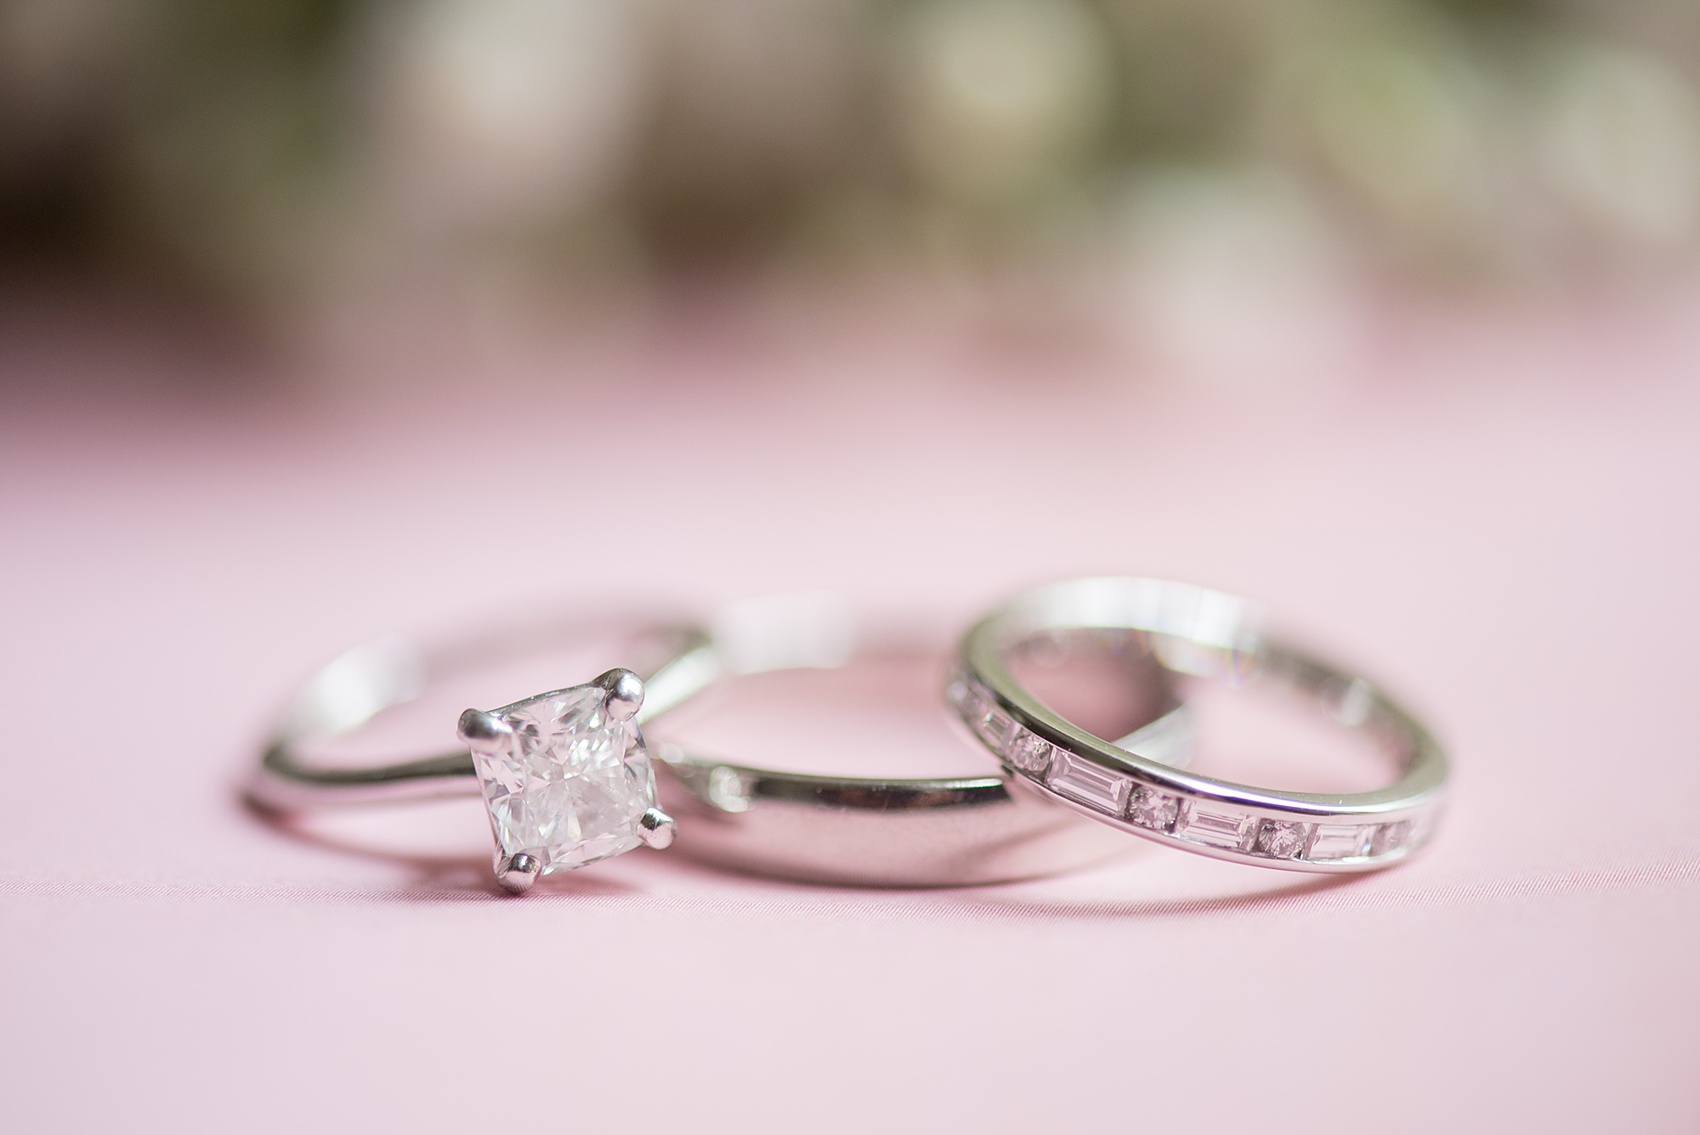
(1498, 520)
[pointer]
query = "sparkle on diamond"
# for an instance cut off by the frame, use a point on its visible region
(993, 725)
(1029, 752)
(1282, 839)
(1153, 809)
(572, 784)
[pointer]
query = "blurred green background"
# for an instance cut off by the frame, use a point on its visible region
(279, 154)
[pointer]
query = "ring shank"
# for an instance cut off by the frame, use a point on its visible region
(1196, 631)
(676, 660)
(887, 831)
(873, 831)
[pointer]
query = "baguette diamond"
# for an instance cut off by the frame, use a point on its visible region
(969, 703)
(993, 726)
(1088, 783)
(1215, 826)
(1389, 837)
(1339, 841)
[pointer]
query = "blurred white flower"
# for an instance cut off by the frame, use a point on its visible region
(1619, 135)
(1237, 281)
(489, 112)
(999, 97)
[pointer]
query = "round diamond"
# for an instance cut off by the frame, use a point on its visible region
(1280, 839)
(1153, 809)
(1029, 753)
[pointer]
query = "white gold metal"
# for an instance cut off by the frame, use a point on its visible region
(625, 692)
(483, 732)
(872, 831)
(517, 873)
(900, 831)
(526, 780)
(1199, 632)
(657, 829)
(356, 686)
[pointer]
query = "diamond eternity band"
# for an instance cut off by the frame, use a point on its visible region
(1210, 634)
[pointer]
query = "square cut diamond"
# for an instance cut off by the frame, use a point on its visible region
(1029, 752)
(570, 783)
(1088, 783)
(1339, 841)
(1282, 839)
(1153, 809)
(1215, 826)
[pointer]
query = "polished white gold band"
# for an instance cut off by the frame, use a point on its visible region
(889, 831)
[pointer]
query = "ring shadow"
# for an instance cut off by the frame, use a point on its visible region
(1272, 898)
(435, 877)
(464, 877)
(995, 900)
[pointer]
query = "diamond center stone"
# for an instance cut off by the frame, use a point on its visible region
(571, 782)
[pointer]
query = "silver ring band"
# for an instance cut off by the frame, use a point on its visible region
(356, 686)
(872, 831)
(1200, 632)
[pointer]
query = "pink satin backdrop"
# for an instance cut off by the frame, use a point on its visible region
(1500, 518)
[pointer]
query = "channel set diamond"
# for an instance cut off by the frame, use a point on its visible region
(1088, 783)
(1282, 839)
(1208, 823)
(1389, 837)
(570, 783)
(1214, 826)
(986, 718)
(1153, 809)
(1339, 841)
(993, 726)
(1029, 752)
(968, 701)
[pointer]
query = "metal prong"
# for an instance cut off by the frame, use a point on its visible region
(516, 873)
(483, 732)
(625, 693)
(657, 828)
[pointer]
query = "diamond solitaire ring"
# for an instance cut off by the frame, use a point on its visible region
(565, 776)
(885, 831)
(1194, 631)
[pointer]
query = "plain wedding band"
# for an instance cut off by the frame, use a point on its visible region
(873, 831)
